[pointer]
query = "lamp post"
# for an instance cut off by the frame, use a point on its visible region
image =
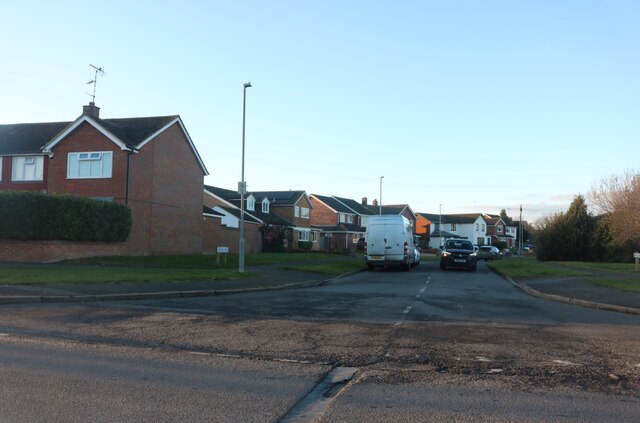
(380, 204)
(521, 245)
(242, 186)
(440, 226)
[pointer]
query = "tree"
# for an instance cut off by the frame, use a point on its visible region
(505, 218)
(618, 199)
(578, 225)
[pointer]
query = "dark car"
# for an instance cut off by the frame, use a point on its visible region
(487, 252)
(458, 253)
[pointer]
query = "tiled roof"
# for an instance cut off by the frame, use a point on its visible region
(333, 203)
(279, 198)
(30, 138)
(355, 206)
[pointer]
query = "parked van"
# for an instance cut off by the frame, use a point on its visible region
(389, 242)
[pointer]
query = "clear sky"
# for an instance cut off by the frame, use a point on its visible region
(475, 105)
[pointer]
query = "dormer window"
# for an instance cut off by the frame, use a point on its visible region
(265, 206)
(251, 203)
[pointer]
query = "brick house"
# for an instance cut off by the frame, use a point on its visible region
(148, 163)
(498, 230)
(401, 209)
(288, 210)
(340, 224)
(222, 222)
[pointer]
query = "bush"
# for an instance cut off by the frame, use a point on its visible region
(34, 216)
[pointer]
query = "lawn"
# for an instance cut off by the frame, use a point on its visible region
(607, 267)
(195, 261)
(524, 267)
(336, 265)
(168, 268)
(619, 284)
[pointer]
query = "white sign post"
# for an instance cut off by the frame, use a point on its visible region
(637, 257)
(224, 251)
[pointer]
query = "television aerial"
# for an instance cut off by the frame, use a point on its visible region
(94, 81)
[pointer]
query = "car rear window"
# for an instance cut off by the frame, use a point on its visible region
(460, 244)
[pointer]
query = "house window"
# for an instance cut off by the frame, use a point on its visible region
(343, 218)
(296, 211)
(265, 206)
(90, 165)
(484, 228)
(454, 227)
(314, 236)
(349, 218)
(251, 204)
(304, 213)
(27, 168)
(499, 229)
(303, 236)
(477, 226)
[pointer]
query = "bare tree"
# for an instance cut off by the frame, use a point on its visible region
(618, 199)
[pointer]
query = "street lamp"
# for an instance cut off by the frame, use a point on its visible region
(380, 204)
(440, 226)
(242, 186)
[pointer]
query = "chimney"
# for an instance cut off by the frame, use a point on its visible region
(91, 110)
(364, 201)
(374, 202)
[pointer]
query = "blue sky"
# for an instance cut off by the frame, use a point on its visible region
(475, 105)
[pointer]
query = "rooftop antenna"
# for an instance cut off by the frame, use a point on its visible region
(94, 81)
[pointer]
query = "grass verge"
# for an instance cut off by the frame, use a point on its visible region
(52, 274)
(519, 267)
(606, 267)
(336, 265)
(623, 285)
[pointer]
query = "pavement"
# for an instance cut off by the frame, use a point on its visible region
(571, 290)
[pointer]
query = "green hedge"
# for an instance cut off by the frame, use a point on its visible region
(35, 216)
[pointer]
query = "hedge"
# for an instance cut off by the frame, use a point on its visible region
(35, 216)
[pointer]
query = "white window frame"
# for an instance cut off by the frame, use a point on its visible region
(296, 211)
(38, 168)
(265, 206)
(454, 227)
(251, 203)
(303, 236)
(89, 156)
(499, 228)
(343, 217)
(314, 236)
(304, 212)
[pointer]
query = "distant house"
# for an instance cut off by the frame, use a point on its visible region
(340, 225)
(401, 209)
(149, 163)
(466, 226)
(498, 230)
(265, 212)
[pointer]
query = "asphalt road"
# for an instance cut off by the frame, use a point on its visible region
(424, 345)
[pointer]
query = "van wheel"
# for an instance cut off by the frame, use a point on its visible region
(370, 267)
(407, 267)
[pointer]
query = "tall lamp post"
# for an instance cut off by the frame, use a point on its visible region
(440, 226)
(242, 186)
(380, 204)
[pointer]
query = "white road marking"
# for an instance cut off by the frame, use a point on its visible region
(407, 310)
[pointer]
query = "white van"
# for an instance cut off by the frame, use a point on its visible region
(389, 242)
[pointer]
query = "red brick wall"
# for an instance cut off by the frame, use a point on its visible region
(6, 184)
(321, 214)
(87, 138)
(216, 235)
(165, 195)
(50, 251)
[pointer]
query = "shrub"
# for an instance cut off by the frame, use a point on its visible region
(35, 216)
